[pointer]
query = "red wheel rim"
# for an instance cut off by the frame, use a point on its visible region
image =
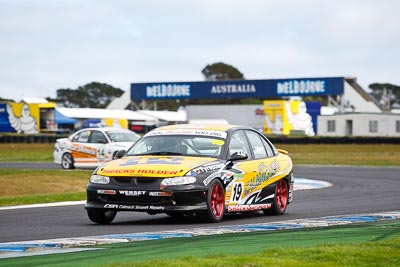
(281, 195)
(217, 200)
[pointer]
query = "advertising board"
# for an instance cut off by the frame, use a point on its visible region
(237, 89)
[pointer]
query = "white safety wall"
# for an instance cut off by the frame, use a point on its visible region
(248, 115)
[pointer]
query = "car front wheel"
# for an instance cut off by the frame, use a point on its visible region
(101, 216)
(67, 161)
(215, 202)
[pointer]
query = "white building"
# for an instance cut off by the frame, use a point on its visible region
(359, 124)
(356, 99)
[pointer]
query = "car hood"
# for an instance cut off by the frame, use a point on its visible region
(60, 140)
(152, 166)
(124, 145)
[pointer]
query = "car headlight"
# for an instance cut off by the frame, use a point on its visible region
(178, 181)
(99, 179)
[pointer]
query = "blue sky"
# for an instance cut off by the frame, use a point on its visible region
(50, 44)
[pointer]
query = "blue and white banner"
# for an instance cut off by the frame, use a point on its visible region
(238, 89)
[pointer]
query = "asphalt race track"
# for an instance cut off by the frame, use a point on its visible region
(354, 190)
(31, 166)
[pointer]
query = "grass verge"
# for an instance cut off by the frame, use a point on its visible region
(335, 154)
(331, 154)
(41, 186)
(367, 244)
(378, 253)
(19, 152)
(46, 198)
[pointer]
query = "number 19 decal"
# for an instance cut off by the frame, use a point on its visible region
(237, 189)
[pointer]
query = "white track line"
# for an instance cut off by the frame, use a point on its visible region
(44, 205)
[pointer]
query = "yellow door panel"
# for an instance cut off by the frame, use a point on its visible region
(257, 174)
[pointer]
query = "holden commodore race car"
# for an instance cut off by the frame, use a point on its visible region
(90, 147)
(206, 171)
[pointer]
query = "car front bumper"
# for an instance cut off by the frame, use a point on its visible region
(146, 200)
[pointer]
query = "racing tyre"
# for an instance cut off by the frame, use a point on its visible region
(281, 198)
(215, 202)
(67, 161)
(101, 216)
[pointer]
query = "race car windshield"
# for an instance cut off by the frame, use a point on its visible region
(186, 145)
(123, 136)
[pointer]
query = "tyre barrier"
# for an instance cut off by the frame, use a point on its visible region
(334, 140)
(51, 138)
(29, 139)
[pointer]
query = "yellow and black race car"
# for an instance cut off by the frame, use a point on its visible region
(193, 170)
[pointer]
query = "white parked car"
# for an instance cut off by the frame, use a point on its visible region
(90, 147)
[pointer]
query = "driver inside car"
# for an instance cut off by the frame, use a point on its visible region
(173, 145)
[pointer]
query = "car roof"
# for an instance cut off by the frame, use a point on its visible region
(105, 129)
(210, 127)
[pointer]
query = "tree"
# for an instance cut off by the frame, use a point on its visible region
(214, 72)
(91, 95)
(221, 71)
(5, 100)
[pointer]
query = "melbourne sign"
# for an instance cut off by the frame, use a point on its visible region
(168, 91)
(237, 89)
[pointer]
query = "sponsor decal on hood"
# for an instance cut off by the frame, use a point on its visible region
(152, 166)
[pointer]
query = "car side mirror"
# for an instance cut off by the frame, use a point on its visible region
(120, 154)
(234, 157)
(238, 156)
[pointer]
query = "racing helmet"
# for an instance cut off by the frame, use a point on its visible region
(170, 144)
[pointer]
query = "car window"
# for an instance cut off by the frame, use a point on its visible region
(98, 138)
(238, 143)
(269, 147)
(118, 136)
(82, 137)
(257, 145)
(187, 145)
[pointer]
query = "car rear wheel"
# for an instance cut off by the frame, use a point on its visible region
(215, 202)
(280, 201)
(67, 161)
(101, 216)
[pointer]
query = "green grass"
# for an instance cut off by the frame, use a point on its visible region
(364, 254)
(320, 154)
(46, 198)
(365, 244)
(19, 152)
(378, 253)
(337, 154)
(21, 187)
